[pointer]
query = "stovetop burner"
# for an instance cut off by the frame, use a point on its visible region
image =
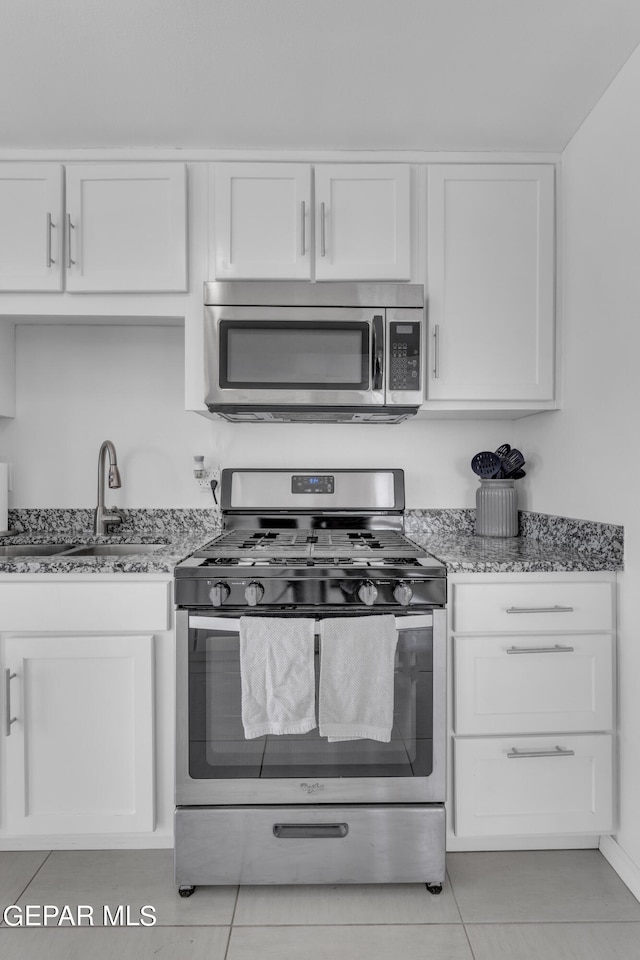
(302, 546)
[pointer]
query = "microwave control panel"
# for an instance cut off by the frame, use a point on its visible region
(404, 355)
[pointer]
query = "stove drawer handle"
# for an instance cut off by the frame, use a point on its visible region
(304, 831)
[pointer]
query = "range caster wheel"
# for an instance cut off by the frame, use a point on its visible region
(434, 888)
(185, 891)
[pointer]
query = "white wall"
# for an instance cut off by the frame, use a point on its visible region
(588, 454)
(78, 385)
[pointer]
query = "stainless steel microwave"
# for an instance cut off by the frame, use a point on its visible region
(314, 352)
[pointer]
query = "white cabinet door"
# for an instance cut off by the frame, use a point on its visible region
(126, 227)
(363, 216)
(533, 684)
(262, 221)
(31, 226)
(80, 752)
(518, 786)
(7, 368)
(491, 278)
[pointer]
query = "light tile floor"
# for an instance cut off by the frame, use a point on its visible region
(535, 905)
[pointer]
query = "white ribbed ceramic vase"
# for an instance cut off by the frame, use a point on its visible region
(497, 509)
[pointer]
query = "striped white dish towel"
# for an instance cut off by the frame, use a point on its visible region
(277, 676)
(357, 657)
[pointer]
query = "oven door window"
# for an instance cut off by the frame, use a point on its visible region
(295, 355)
(218, 748)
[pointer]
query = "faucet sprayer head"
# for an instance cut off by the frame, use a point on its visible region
(114, 477)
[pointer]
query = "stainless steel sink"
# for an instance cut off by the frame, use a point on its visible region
(113, 549)
(33, 549)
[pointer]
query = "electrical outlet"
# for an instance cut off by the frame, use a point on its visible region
(204, 483)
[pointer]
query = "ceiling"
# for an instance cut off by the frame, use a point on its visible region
(436, 75)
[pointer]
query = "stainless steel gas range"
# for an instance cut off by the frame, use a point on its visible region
(313, 546)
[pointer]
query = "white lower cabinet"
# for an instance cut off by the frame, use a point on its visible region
(533, 785)
(80, 747)
(87, 713)
(532, 705)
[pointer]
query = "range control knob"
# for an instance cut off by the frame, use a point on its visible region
(219, 593)
(402, 592)
(254, 592)
(367, 592)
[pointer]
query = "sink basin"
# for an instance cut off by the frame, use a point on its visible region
(113, 549)
(33, 549)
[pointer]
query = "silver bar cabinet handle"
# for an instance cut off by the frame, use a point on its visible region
(303, 227)
(70, 227)
(436, 351)
(555, 649)
(50, 226)
(515, 754)
(539, 609)
(8, 677)
(323, 238)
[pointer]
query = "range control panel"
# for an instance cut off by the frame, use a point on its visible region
(404, 354)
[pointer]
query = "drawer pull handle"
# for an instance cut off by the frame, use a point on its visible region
(8, 677)
(539, 609)
(516, 754)
(297, 831)
(555, 649)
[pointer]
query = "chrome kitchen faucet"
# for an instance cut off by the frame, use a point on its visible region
(105, 517)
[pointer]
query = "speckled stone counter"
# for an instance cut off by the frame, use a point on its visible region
(545, 543)
(177, 532)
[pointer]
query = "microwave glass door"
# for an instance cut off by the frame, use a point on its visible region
(299, 355)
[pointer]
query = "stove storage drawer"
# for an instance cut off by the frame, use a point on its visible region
(324, 843)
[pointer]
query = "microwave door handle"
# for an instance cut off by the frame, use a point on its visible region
(377, 353)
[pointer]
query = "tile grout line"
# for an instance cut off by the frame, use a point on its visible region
(231, 923)
(464, 926)
(28, 884)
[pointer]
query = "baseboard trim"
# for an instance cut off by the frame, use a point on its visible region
(627, 870)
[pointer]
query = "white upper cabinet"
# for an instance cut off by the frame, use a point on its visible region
(126, 227)
(262, 221)
(31, 226)
(122, 229)
(491, 282)
(363, 222)
(268, 226)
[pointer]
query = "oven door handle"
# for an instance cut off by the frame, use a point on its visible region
(232, 624)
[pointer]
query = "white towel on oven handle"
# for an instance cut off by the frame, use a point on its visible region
(357, 656)
(277, 675)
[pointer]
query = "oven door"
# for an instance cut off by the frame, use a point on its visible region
(216, 764)
(260, 356)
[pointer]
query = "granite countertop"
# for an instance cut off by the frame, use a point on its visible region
(178, 533)
(546, 543)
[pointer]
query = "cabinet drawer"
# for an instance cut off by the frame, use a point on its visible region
(101, 607)
(538, 607)
(533, 684)
(510, 786)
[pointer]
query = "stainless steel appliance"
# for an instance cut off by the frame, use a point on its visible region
(298, 808)
(314, 352)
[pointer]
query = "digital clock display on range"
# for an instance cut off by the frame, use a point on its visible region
(313, 483)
